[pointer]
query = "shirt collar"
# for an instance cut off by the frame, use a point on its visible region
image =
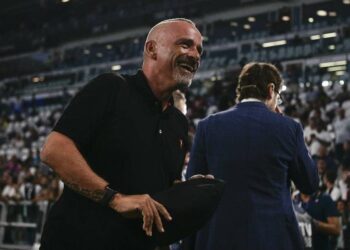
(252, 103)
(251, 100)
(142, 84)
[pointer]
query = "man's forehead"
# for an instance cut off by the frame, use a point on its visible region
(184, 27)
(185, 32)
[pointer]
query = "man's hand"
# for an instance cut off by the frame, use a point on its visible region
(278, 110)
(197, 176)
(141, 206)
(303, 217)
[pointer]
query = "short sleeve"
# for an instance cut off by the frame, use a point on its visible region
(89, 108)
(330, 207)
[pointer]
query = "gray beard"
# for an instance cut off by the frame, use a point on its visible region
(183, 80)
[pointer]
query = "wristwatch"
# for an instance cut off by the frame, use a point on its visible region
(108, 196)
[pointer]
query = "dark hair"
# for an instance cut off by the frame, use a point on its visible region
(254, 79)
(331, 176)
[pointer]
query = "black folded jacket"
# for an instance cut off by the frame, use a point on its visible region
(190, 204)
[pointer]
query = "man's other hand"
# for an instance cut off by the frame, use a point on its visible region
(197, 176)
(144, 206)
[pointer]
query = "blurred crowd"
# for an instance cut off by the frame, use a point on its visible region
(22, 176)
(47, 36)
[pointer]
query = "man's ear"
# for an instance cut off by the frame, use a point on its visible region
(270, 90)
(151, 49)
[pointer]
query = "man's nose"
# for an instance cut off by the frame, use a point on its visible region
(194, 53)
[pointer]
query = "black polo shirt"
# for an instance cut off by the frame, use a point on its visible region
(120, 129)
(320, 207)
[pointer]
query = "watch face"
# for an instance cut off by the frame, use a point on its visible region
(191, 204)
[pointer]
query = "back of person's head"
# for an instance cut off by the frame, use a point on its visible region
(321, 165)
(312, 122)
(322, 151)
(254, 80)
(345, 162)
(331, 176)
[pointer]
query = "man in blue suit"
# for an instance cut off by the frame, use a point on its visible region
(258, 152)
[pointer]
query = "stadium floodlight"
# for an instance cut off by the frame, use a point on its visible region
(36, 79)
(310, 19)
(325, 83)
(285, 18)
(336, 68)
(234, 24)
(284, 88)
(251, 19)
(315, 37)
(331, 47)
(329, 35)
(332, 64)
(65, 1)
(116, 67)
(274, 43)
(321, 13)
(246, 26)
(341, 82)
(346, 1)
(332, 13)
(109, 46)
(86, 51)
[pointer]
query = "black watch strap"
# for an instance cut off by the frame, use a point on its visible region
(108, 196)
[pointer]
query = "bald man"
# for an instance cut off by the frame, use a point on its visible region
(119, 140)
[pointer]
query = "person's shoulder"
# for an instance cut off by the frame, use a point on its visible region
(219, 115)
(212, 119)
(108, 79)
(288, 121)
(325, 198)
(328, 204)
(106, 84)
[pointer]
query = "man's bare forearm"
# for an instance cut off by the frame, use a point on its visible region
(61, 154)
(330, 227)
(95, 195)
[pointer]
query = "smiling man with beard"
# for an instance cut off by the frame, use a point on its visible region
(171, 55)
(118, 141)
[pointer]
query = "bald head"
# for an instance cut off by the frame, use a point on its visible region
(172, 53)
(170, 29)
(164, 25)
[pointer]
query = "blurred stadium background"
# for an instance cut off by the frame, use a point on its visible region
(50, 48)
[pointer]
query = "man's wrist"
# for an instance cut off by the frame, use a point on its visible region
(108, 196)
(316, 223)
(114, 201)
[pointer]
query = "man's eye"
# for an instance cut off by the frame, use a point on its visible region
(185, 46)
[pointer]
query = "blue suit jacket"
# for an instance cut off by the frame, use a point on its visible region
(257, 152)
